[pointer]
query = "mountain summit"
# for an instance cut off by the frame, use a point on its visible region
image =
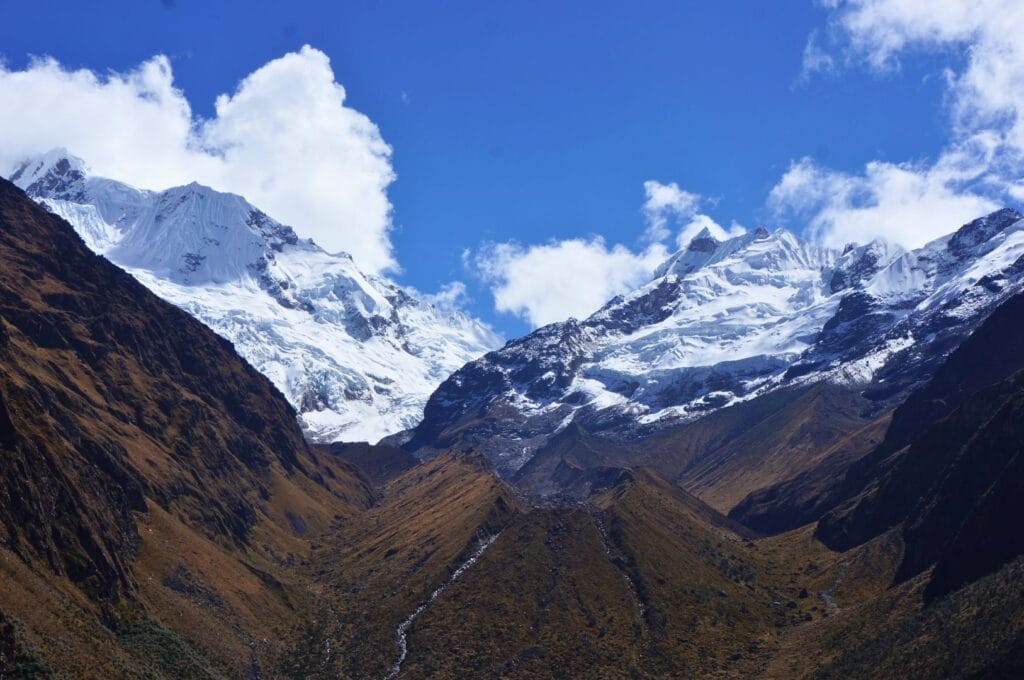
(725, 322)
(355, 353)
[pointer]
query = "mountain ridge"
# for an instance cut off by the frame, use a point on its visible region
(725, 322)
(154, 485)
(356, 354)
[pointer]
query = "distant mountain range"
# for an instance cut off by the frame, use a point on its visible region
(726, 323)
(356, 354)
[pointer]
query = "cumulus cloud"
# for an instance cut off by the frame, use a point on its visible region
(898, 202)
(284, 139)
(983, 162)
(571, 278)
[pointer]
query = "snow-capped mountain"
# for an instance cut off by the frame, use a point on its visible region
(726, 321)
(356, 354)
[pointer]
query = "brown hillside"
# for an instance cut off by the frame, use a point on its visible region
(151, 481)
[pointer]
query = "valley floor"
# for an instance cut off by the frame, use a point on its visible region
(640, 581)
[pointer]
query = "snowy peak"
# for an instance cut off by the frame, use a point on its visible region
(355, 353)
(193, 235)
(725, 321)
(190, 233)
(758, 249)
(781, 250)
(974, 234)
(703, 242)
(858, 264)
(55, 174)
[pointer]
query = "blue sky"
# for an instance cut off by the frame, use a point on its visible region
(539, 121)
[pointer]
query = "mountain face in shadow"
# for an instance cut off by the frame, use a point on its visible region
(949, 469)
(118, 410)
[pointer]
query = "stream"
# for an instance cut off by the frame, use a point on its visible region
(606, 544)
(826, 595)
(402, 633)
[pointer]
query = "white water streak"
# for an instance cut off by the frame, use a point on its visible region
(606, 544)
(401, 634)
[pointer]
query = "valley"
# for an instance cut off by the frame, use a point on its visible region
(163, 515)
(513, 341)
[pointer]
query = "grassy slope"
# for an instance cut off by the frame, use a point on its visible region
(646, 581)
(544, 601)
(707, 594)
(378, 566)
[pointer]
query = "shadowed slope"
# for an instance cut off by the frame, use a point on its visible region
(950, 467)
(142, 462)
(801, 439)
(379, 463)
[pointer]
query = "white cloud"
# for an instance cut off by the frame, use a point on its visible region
(666, 202)
(816, 60)
(981, 165)
(451, 297)
(544, 283)
(897, 202)
(551, 282)
(284, 139)
(988, 90)
(667, 205)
